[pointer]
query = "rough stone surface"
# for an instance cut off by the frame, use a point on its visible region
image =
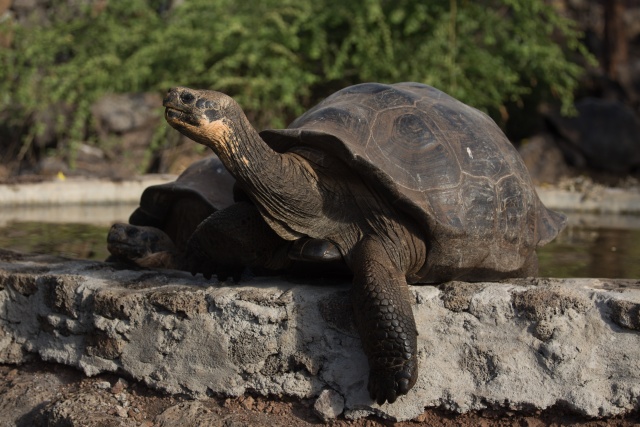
(516, 345)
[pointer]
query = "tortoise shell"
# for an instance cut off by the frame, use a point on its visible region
(178, 207)
(444, 163)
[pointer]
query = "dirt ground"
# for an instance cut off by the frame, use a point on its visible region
(46, 394)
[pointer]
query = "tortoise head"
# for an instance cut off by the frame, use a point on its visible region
(205, 116)
(136, 242)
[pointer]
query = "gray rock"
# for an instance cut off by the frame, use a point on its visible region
(103, 385)
(544, 160)
(517, 345)
(603, 136)
(120, 113)
(329, 405)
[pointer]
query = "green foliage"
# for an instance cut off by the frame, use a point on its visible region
(71, 63)
(278, 57)
(484, 53)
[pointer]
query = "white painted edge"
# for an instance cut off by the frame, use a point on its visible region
(601, 201)
(78, 191)
(82, 191)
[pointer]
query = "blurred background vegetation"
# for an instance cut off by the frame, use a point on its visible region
(276, 57)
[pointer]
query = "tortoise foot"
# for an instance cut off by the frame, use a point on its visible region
(386, 384)
(199, 261)
(233, 239)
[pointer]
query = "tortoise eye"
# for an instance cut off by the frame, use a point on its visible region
(187, 97)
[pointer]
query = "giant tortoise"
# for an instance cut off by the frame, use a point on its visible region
(411, 185)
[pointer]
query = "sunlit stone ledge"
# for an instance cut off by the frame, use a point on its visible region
(519, 345)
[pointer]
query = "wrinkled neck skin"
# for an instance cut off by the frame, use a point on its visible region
(308, 193)
(354, 209)
(283, 186)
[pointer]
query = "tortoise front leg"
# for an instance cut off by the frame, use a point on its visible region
(384, 318)
(234, 238)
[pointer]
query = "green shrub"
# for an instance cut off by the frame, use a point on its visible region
(278, 57)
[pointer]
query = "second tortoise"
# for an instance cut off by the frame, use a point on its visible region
(160, 228)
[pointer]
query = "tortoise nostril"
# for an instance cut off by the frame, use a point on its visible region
(187, 97)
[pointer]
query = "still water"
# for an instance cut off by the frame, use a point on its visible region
(591, 246)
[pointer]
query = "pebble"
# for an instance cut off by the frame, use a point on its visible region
(122, 398)
(119, 386)
(122, 412)
(247, 403)
(329, 405)
(103, 385)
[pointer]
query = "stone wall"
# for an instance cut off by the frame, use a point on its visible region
(516, 345)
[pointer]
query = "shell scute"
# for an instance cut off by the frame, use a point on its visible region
(413, 151)
(392, 97)
(480, 206)
(513, 208)
(444, 207)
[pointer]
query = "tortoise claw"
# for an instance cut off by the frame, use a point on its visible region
(386, 385)
(233, 271)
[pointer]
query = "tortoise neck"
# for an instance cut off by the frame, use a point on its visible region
(283, 186)
(240, 148)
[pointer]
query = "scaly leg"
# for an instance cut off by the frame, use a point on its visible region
(383, 314)
(234, 238)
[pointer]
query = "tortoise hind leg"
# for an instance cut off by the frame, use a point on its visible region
(385, 321)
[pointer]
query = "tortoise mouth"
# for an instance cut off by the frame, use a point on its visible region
(127, 250)
(177, 116)
(177, 113)
(173, 114)
(172, 104)
(175, 109)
